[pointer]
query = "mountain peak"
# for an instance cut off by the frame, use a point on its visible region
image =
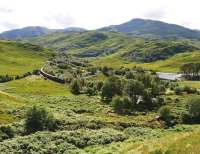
(153, 28)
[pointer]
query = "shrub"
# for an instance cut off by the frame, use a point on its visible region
(75, 87)
(190, 90)
(105, 70)
(122, 105)
(129, 75)
(91, 91)
(36, 72)
(166, 115)
(178, 90)
(6, 132)
(99, 85)
(141, 132)
(39, 119)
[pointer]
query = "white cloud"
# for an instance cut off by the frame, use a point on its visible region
(93, 14)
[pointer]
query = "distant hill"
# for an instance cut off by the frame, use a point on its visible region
(86, 44)
(152, 28)
(99, 44)
(136, 27)
(32, 31)
(73, 29)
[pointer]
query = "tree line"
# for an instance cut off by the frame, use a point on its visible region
(191, 71)
(6, 78)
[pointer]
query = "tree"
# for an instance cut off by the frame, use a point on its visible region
(194, 109)
(75, 87)
(111, 87)
(145, 78)
(147, 98)
(105, 70)
(134, 89)
(122, 105)
(38, 119)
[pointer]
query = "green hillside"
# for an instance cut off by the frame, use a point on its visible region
(17, 58)
(171, 64)
(116, 49)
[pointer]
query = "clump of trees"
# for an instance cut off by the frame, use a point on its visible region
(141, 92)
(137, 89)
(39, 119)
(191, 71)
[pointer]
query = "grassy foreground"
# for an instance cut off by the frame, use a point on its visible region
(88, 126)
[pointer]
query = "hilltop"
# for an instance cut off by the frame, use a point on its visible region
(153, 28)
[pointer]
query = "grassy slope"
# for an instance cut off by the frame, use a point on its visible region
(173, 64)
(15, 98)
(9, 103)
(169, 65)
(17, 59)
(35, 85)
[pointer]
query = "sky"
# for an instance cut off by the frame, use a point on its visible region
(93, 14)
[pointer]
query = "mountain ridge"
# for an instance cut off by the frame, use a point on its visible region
(135, 27)
(33, 31)
(154, 28)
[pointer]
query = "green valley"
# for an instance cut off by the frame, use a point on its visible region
(73, 91)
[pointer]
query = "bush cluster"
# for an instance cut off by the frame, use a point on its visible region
(39, 119)
(61, 142)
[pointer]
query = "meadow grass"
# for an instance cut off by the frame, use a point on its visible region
(8, 104)
(36, 85)
(193, 84)
(15, 96)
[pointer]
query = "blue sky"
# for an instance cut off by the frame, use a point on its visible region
(92, 14)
